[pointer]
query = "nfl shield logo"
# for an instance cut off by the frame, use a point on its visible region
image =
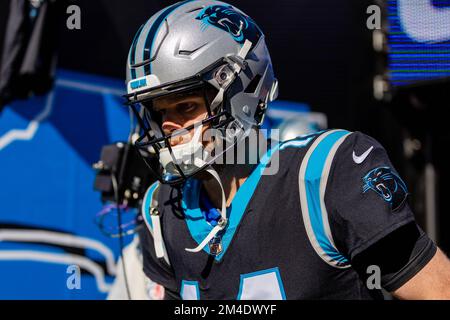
(215, 246)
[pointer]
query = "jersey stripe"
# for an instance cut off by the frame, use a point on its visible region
(313, 177)
(146, 204)
(189, 290)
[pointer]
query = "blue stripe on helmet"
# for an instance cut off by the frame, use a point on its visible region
(133, 52)
(151, 36)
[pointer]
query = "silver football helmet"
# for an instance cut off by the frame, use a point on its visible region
(198, 46)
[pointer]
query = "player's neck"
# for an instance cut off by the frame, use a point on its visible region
(232, 178)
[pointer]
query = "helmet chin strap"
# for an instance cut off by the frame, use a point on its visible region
(223, 213)
(187, 149)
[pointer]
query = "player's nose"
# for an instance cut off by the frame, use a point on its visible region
(170, 128)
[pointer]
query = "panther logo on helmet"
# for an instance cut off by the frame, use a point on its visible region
(239, 26)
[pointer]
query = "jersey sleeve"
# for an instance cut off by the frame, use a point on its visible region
(365, 196)
(370, 219)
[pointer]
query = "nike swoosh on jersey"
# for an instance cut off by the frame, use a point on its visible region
(360, 159)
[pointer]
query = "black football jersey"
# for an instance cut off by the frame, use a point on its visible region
(310, 206)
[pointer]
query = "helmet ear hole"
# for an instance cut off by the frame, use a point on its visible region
(223, 76)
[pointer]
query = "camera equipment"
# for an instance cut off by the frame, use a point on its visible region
(121, 164)
(122, 178)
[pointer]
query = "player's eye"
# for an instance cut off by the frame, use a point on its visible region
(186, 107)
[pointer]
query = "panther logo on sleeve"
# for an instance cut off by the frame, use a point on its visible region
(235, 23)
(387, 184)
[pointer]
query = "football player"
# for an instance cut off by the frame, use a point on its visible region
(322, 216)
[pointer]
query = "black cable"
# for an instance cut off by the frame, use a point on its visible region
(133, 128)
(119, 221)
